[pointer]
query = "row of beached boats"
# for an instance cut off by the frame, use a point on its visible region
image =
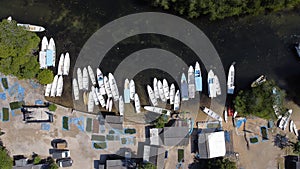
(47, 54)
(285, 120)
(64, 64)
(55, 89)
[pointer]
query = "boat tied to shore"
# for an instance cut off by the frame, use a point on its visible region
(79, 78)
(198, 77)
(66, 67)
(184, 88)
(60, 65)
(132, 89)
(54, 86)
(259, 81)
(191, 82)
(126, 91)
(177, 101)
(107, 87)
(152, 96)
(100, 81)
(161, 91)
(100, 97)
(172, 93)
(113, 86)
(230, 79)
(48, 89)
(60, 86)
(137, 103)
(155, 88)
(85, 79)
(75, 89)
(211, 113)
(166, 89)
(158, 110)
(92, 75)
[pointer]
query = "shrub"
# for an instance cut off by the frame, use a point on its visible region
(6, 161)
(45, 76)
(52, 107)
(37, 159)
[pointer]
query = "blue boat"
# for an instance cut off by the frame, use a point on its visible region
(184, 88)
(198, 77)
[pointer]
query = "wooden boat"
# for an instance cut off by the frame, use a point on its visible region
(107, 87)
(60, 66)
(54, 86)
(132, 89)
(85, 79)
(198, 77)
(126, 91)
(121, 106)
(217, 85)
(45, 43)
(177, 101)
(191, 82)
(113, 86)
(152, 96)
(60, 86)
(161, 91)
(95, 98)
(31, 28)
(67, 63)
(211, 113)
(100, 82)
(75, 89)
(100, 97)
(259, 81)
(166, 89)
(79, 78)
(48, 90)
(155, 88)
(137, 103)
(85, 98)
(92, 75)
(230, 80)
(158, 110)
(172, 93)
(211, 84)
(91, 102)
(51, 46)
(184, 88)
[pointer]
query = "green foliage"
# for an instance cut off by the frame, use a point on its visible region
(6, 161)
(52, 107)
(4, 83)
(16, 51)
(147, 166)
(214, 163)
(258, 101)
(52, 164)
(66, 123)
(253, 140)
(180, 154)
(161, 121)
(45, 76)
(220, 9)
(129, 131)
(5, 112)
(296, 147)
(37, 159)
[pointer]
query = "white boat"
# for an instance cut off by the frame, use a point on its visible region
(152, 96)
(60, 86)
(110, 105)
(85, 79)
(107, 104)
(177, 100)
(155, 88)
(211, 113)
(158, 110)
(295, 129)
(198, 77)
(137, 103)
(48, 90)
(91, 102)
(211, 84)
(31, 28)
(184, 88)
(51, 46)
(60, 66)
(217, 85)
(85, 96)
(100, 82)
(54, 86)
(75, 89)
(107, 87)
(113, 86)
(121, 106)
(95, 98)
(225, 116)
(235, 114)
(67, 64)
(166, 89)
(291, 126)
(172, 93)
(191, 82)
(297, 47)
(161, 91)
(100, 97)
(285, 119)
(45, 43)
(42, 60)
(79, 78)
(132, 89)
(92, 75)
(9, 19)
(259, 81)
(126, 91)
(230, 80)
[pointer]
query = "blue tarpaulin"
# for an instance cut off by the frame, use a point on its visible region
(49, 58)
(45, 126)
(240, 122)
(126, 96)
(198, 83)
(3, 96)
(78, 121)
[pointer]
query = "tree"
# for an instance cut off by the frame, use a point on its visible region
(147, 166)
(45, 76)
(36, 160)
(6, 161)
(17, 48)
(296, 147)
(161, 121)
(52, 107)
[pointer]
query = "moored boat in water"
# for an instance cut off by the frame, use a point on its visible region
(166, 89)
(31, 28)
(60, 86)
(75, 89)
(79, 78)
(113, 86)
(191, 82)
(54, 86)
(85, 79)
(152, 96)
(155, 88)
(217, 85)
(60, 66)
(230, 79)
(177, 101)
(48, 90)
(51, 51)
(66, 64)
(184, 88)
(198, 77)
(107, 87)
(161, 91)
(259, 81)
(100, 97)
(172, 93)
(44, 44)
(92, 75)
(95, 98)
(132, 89)
(137, 103)
(100, 81)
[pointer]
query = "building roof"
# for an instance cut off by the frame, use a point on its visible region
(115, 122)
(115, 164)
(211, 145)
(292, 162)
(174, 135)
(154, 155)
